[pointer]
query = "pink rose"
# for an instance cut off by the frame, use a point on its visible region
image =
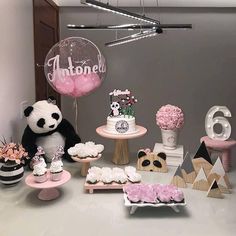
(170, 117)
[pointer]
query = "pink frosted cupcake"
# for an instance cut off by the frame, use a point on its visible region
(177, 196)
(164, 197)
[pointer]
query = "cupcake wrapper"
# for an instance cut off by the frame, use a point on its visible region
(56, 176)
(40, 178)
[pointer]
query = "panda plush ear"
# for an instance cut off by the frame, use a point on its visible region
(141, 154)
(28, 110)
(162, 155)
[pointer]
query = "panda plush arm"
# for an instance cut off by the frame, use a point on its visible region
(28, 141)
(68, 131)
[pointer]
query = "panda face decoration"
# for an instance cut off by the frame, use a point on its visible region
(115, 109)
(151, 161)
(43, 117)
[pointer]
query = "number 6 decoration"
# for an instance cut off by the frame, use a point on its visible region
(211, 121)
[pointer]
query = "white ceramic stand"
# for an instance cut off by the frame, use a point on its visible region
(121, 152)
(174, 156)
(48, 189)
(135, 206)
(85, 163)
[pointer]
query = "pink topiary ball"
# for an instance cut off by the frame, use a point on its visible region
(170, 117)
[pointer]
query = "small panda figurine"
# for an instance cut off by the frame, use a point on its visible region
(47, 128)
(149, 161)
(115, 109)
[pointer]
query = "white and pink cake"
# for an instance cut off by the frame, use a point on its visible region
(121, 119)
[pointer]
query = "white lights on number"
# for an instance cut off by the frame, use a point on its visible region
(211, 121)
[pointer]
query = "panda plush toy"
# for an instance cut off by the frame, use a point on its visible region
(47, 128)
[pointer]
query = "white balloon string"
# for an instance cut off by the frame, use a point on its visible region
(76, 114)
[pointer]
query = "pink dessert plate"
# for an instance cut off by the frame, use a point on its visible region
(48, 188)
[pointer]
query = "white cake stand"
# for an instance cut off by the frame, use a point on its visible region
(121, 152)
(48, 188)
(85, 163)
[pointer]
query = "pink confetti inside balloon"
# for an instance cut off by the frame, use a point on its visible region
(63, 84)
(75, 67)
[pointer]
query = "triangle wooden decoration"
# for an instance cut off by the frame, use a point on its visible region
(201, 163)
(214, 191)
(178, 172)
(200, 182)
(202, 159)
(187, 164)
(222, 185)
(227, 181)
(178, 179)
(187, 169)
(203, 153)
(178, 182)
(216, 172)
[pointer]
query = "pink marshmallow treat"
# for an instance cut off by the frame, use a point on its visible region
(170, 117)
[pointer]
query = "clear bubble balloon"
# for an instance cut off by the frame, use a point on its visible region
(75, 67)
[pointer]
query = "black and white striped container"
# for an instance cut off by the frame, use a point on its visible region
(11, 173)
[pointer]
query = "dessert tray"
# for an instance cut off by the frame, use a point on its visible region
(98, 178)
(134, 206)
(85, 163)
(102, 186)
(48, 188)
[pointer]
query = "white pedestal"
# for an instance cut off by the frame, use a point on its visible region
(174, 156)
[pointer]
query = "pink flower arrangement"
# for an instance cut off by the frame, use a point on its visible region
(13, 152)
(170, 117)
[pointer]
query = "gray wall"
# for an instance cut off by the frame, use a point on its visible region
(193, 69)
(17, 82)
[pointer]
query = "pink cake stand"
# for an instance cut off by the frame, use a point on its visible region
(223, 146)
(85, 163)
(49, 191)
(121, 152)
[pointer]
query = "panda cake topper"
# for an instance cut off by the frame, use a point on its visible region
(48, 129)
(121, 103)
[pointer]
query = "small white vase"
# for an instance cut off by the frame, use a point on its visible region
(169, 138)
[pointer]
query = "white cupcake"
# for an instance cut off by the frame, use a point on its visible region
(106, 177)
(40, 170)
(92, 178)
(134, 177)
(56, 169)
(129, 170)
(95, 170)
(120, 177)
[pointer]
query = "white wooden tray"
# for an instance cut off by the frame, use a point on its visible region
(100, 185)
(134, 206)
